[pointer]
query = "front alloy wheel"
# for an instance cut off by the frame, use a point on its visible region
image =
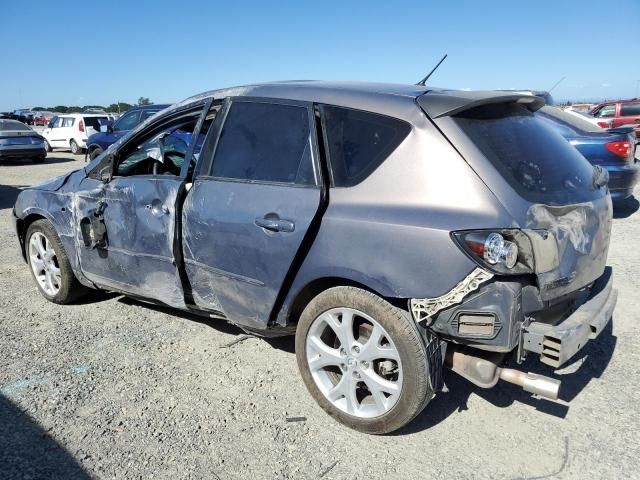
(44, 264)
(49, 264)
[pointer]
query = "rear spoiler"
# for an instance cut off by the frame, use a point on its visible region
(446, 103)
(629, 129)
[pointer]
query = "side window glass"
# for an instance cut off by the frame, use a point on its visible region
(57, 122)
(630, 110)
(265, 142)
(68, 122)
(147, 114)
(359, 142)
(606, 112)
(161, 153)
(127, 122)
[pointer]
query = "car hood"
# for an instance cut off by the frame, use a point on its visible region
(57, 183)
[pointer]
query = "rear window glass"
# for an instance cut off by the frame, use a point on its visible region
(265, 142)
(529, 154)
(94, 122)
(359, 142)
(7, 125)
(630, 110)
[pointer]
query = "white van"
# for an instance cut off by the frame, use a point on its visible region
(70, 131)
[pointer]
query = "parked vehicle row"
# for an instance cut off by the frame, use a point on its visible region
(613, 149)
(71, 131)
(394, 229)
(110, 131)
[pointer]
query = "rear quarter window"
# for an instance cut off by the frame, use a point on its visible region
(94, 122)
(359, 142)
(529, 154)
(630, 110)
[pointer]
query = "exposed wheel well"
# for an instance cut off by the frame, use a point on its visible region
(314, 288)
(22, 226)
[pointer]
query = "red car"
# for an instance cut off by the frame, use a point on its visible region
(42, 118)
(623, 112)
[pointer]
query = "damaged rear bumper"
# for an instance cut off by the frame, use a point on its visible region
(558, 343)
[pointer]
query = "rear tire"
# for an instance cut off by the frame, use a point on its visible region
(37, 159)
(362, 385)
(75, 148)
(49, 264)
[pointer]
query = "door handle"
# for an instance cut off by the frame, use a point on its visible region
(275, 224)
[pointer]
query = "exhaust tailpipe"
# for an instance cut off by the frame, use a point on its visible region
(485, 373)
(531, 382)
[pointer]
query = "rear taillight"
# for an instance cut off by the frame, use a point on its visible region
(507, 252)
(604, 124)
(81, 126)
(621, 149)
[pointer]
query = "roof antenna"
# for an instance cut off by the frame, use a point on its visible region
(556, 84)
(423, 82)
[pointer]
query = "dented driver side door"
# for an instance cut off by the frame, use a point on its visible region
(127, 224)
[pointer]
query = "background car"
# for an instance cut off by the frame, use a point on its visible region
(612, 149)
(598, 122)
(42, 118)
(99, 142)
(71, 131)
(621, 113)
(18, 140)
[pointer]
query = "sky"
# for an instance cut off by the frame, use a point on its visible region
(59, 52)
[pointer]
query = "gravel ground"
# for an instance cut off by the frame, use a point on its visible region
(112, 388)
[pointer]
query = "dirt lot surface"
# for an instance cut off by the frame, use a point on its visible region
(113, 388)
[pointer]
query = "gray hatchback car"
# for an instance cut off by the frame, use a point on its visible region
(395, 229)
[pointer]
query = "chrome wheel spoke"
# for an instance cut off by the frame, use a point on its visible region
(375, 383)
(325, 355)
(38, 265)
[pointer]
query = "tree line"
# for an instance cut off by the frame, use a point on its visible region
(119, 107)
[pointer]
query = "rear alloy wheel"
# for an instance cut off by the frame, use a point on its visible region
(75, 148)
(363, 360)
(49, 264)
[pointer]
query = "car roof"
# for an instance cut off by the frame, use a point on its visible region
(387, 98)
(82, 114)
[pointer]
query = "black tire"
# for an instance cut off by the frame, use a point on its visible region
(70, 289)
(37, 159)
(416, 390)
(47, 147)
(94, 153)
(75, 148)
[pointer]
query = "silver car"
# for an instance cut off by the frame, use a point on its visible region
(394, 229)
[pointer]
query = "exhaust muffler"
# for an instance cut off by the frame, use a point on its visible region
(485, 373)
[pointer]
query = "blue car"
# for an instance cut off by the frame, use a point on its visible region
(613, 149)
(99, 142)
